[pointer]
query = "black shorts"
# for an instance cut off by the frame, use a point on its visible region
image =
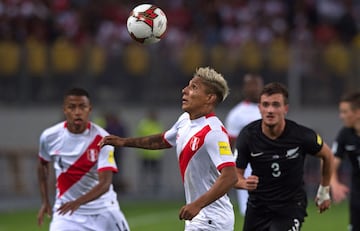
(290, 217)
(354, 211)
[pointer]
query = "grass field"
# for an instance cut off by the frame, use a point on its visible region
(162, 216)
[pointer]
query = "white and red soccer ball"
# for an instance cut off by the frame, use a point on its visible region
(147, 23)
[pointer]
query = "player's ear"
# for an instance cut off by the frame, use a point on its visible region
(286, 108)
(212, 98)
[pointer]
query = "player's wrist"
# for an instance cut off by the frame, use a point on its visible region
(323, 194)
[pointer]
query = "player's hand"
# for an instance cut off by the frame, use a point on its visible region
(322, 207)
(189, 211)
(251, 182)
(70, 206)
(44, 210)
(323, 199)
(111, 140)
(339, 192)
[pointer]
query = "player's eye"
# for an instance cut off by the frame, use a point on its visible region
(276, 104)
(265, 104)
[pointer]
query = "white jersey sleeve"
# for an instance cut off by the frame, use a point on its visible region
(106, 159)
(218, 147)
(171, 134)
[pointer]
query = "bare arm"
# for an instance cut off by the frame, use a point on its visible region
(232, 143)
(249, 183)
(105, 179)
(339, 190)
(147, 142)
(222, 185)
(327, 167)
(43, 175)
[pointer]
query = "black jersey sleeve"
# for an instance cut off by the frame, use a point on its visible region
(312, 141)
(242, 149)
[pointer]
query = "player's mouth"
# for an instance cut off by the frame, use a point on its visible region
(78, 121)
(270, 117)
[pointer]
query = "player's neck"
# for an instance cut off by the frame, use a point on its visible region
(273, 132)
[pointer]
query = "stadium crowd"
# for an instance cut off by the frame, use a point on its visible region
(47, 46)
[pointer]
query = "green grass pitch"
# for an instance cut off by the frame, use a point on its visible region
(163, 216)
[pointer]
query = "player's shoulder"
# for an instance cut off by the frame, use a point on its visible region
(300, 131)
(184, 116)
(98, 129)
(345, 133)
(214, 122)
(292, 125)
(253, 125)
(54, 129)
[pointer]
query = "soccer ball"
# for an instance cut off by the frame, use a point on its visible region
(147, 23)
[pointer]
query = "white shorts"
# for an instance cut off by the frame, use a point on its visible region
(113, 219)
(202, 222)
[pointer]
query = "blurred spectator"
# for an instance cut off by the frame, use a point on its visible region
(151, 160)
(114, 125)
(89, 38)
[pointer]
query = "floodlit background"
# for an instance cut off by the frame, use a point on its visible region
(48, 46)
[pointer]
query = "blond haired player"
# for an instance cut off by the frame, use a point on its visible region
(202, 145)
(85, 199)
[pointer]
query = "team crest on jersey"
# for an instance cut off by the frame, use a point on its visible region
(92, 155)
(224, 148)
(194, 143)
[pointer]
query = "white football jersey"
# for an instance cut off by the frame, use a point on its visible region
(203, 149)
(77, 160)
(241, 115)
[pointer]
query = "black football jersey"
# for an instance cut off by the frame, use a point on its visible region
(347, 143)
(278, 163)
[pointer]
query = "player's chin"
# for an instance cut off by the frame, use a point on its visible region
(184, 106)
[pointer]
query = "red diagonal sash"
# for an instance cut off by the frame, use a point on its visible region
(191, 148)
(77, 170)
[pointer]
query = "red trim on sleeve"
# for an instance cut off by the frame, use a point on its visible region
(108, 169)
(226, 164)
(43, 161)
(163, 137)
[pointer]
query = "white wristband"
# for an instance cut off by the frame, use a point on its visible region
(323, 194)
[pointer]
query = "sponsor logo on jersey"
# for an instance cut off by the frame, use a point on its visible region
(194, 143)
(111, 159)
(256, 154)
(319, 139)
(224, 148)
(350, 147)
(92, 155)
(292, 153)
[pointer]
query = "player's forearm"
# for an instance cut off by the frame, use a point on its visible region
(43, 182)
(93, 194)
(241, 181)
(334, 177)
(222, 185)
(327, 170)
(147, 142)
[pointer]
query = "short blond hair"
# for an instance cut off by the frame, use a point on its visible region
(215, 81)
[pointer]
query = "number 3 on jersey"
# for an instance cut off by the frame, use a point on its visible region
(275, 169)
